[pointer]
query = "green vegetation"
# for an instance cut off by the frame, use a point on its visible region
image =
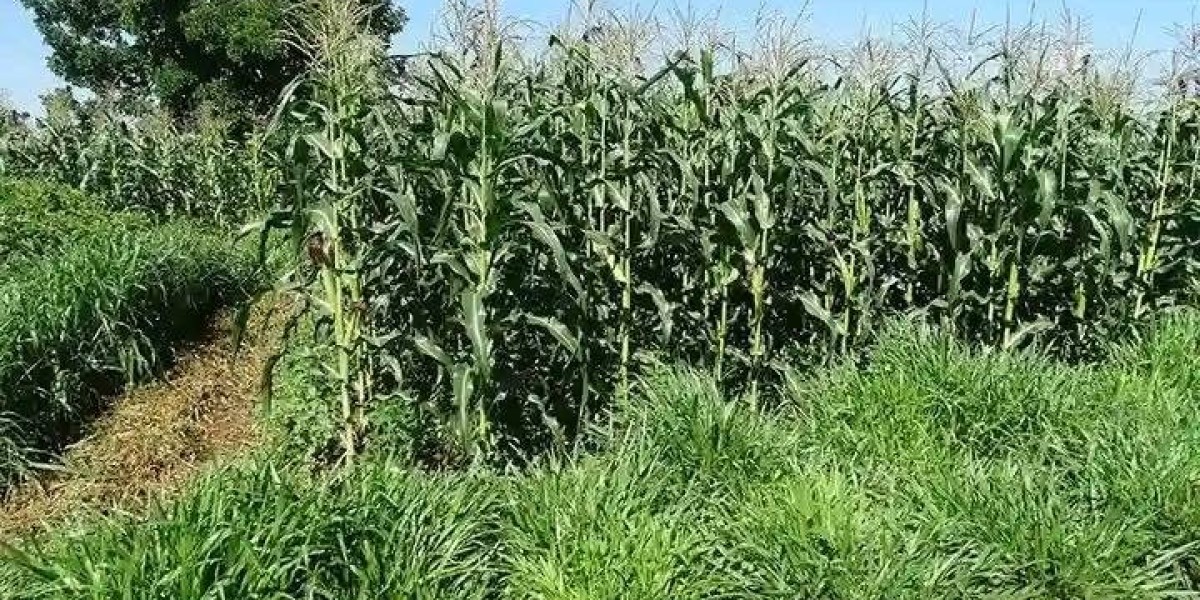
(591, 324)
(150, 163)
(38, 219)
(90, 301)
(501, 242)
(933, 472)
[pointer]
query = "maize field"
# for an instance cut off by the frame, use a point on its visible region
(505, 241)
(150, 164)
(620, 311)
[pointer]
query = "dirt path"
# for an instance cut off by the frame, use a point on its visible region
(157, 436)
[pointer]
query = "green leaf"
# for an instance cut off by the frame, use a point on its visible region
(654, 218)
(602, 241)
(464, 388)
(827, 173)
(330, 148)
(962, 268)
(474, 320)
(557, 329)
(812, 305)
(431, 349)
(1047, 196)
(737, 215)
(406, 206)
(542, 231)
(981, 180)
(1118, 217)
(441, 143)
(665, 310)
(1027, 330)
(619, 198)
(953, 211)
(453, 262)
(762, 203)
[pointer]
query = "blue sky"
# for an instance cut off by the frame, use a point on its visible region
(24, 76)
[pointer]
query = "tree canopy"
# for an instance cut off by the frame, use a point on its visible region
(184, 53)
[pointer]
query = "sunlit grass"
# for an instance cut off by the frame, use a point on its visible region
(1069, 482)
(95, 304)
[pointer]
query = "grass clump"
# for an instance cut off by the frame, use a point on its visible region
(38, 218)
(816, 533)
(100, 312)
(711, 445)
(262, 532)
(933, 471)
(613, 528)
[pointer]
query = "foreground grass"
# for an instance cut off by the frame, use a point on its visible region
(934, 472)
(154, 439)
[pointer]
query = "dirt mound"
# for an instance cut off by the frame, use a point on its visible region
(156, 436)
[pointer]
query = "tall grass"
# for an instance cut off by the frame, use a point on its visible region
(39, 219)
(383, 534)
(100, 311)
(936, 471)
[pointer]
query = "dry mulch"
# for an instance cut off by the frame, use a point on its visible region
(158, 436)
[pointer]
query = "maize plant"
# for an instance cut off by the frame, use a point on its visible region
(499, 241)
(330, 208)
(146, 162)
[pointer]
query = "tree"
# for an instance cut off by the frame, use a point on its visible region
(183, 53)
(10, 117)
